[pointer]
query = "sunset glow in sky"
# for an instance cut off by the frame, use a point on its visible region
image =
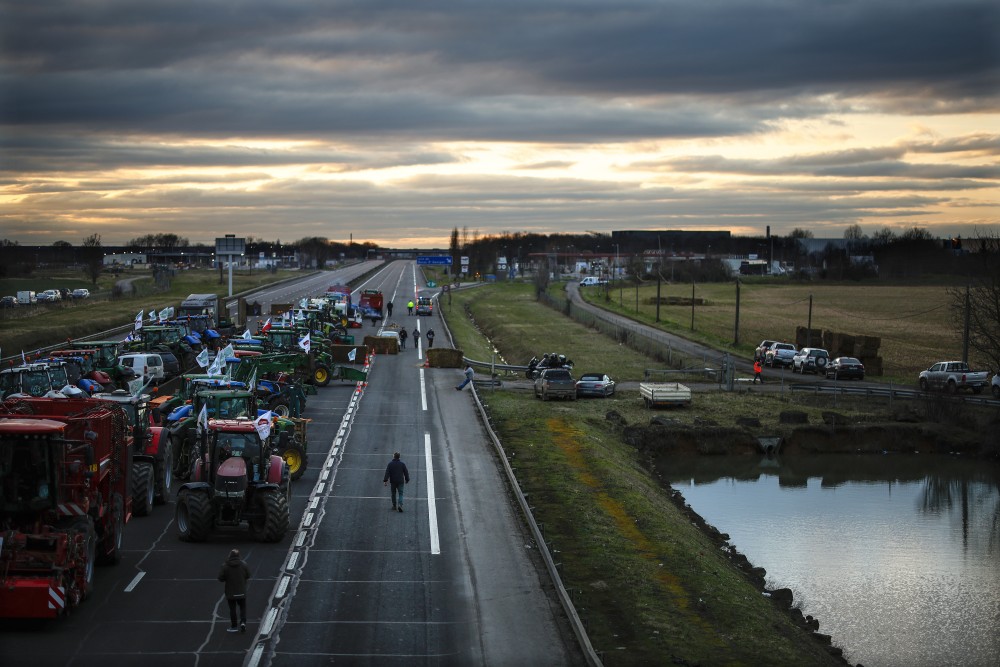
(396, 122)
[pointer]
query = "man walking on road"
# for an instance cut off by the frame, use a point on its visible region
(409, 307)
(235, 574)
(402, 339)
(757, 372)
(469, 374)
(389, 308)
(398, 476)
(416, 338)
(430, 338)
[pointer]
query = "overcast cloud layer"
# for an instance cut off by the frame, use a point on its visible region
(395, 122)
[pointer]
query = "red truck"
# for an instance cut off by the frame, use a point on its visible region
(371, 303)
(64, 500)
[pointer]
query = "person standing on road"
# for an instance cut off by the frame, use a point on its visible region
(398, 476)
(235, 574)
(469, 374)
(430, 338)
(389, 308)
(416, 338)
(409, 307)
(402, 339)
(757, 372)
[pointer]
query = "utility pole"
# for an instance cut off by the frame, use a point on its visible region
(692, 304)
(809, 324)
(736, 328)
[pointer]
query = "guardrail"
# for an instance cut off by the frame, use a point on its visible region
(891, 392)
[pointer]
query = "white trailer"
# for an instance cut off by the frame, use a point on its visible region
(661, 394)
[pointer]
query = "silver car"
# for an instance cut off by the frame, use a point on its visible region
(595, 384)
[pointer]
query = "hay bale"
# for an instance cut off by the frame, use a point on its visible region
(866, 346)
(802, 337)
(382, 344)
(339, 353)
(873, 365)
(444, 357)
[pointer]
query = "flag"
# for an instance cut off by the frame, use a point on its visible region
(217, 364)
(24, 359)
(247, 335)
(152, 315)
(138, 320)
(353, 353)
(202, 358)
(263, 425)
(203, 419)
(129, 338)
(305, 343)
(267, 326)
(253, 381)
(227, 352)
(164, 314)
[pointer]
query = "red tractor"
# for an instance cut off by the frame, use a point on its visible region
(64, 500)
(236, 479)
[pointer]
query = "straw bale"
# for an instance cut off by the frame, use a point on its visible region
(444, 357)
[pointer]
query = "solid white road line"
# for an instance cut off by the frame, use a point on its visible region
(432, 516)
(135, 582)
(423, 391)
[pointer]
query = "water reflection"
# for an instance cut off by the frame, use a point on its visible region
(898, 556)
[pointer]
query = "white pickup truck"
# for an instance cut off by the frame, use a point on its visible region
(658, 394)
(952, 376)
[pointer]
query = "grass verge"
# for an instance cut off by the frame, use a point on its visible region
(652, 588)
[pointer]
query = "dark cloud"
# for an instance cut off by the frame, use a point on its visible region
(165, 114)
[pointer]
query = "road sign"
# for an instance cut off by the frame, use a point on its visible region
(431, 283)
(438, 260)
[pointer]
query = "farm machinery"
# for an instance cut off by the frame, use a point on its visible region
(64, 500)
(235, 479)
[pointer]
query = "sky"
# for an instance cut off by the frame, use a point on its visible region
(395, 122)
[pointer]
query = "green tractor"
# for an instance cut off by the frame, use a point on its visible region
(104, 355)
(288, 433)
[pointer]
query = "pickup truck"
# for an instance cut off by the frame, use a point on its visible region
(555, 383)
(659, 394)
(952, 376)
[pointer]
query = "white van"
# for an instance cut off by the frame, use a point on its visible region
(146, 365)
(592, 280)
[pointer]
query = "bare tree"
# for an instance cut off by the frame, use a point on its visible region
(93, 257)
(976, 307)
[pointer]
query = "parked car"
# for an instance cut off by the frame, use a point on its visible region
(8, 302)
(996, 385)
(765, 345)
(845, 368)
(779, 354)
(953, 376)
(595, 384)
(811, 359)
(424, 306)
(171, 365)
(49, 296)
(80, 293)
(555, 383)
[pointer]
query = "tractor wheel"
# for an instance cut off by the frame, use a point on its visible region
(182, 462)
(271, 521)
(83, 580)
(321, 375)
(143, 490)
(194, 516)
(164, 471)
(111, 547)
(279, 406)
(295, 457)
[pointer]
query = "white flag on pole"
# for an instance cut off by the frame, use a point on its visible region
(138, 320)
(227, 352)
(304, 343)
(202, 358)
(352, 354)
(247, 335)
(203, 419)
(263, 425)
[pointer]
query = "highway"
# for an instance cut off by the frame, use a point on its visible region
(453, 580)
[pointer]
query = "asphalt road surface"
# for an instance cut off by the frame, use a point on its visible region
(453, 580)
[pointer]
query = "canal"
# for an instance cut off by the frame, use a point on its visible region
(897, 556)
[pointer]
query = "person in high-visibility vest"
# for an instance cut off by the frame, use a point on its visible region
(757, 372)
(409, 307)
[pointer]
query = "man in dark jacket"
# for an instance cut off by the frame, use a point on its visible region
(235, 574)
(397, 475)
